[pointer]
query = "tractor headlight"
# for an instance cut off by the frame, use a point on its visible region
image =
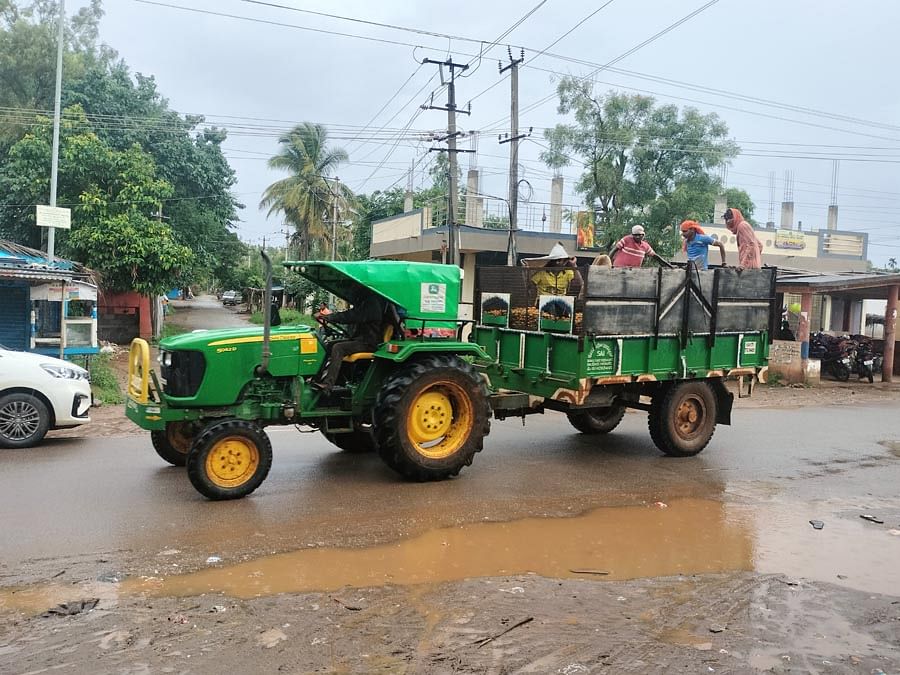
(165, 358)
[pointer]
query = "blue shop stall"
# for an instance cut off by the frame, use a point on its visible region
(46, 307)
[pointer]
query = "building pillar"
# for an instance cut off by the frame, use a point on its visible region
(832, 217)
(719, 207)
(803, 330)
(890, 320)
(556, 197)
(407, 202)
(474, 204)
(787, 215)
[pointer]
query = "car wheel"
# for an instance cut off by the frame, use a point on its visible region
(24, 420)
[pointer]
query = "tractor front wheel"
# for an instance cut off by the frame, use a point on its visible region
(432, 418)
(598, 420)
(682, 418)
(174, 443)
(229, 460)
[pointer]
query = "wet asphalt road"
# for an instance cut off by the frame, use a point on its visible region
(106, 494)
(91, 496)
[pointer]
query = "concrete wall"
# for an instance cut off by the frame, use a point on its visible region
(123, 317)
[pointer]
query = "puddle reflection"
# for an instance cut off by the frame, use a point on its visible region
(690, 536)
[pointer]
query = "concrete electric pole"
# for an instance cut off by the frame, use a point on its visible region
(54, 162)
(513, 138)
(451, 150)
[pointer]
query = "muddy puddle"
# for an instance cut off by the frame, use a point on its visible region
(684, 537)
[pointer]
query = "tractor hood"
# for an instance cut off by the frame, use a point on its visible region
(200, 339)
(423, 290)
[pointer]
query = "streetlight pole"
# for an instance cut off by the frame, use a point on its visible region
(54, 162)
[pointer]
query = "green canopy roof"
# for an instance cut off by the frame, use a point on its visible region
(424, 290)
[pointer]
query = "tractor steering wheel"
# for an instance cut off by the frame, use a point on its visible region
(332, 330)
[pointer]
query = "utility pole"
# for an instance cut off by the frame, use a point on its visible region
(451, 149)
(334, 216)
(513, 138)
(54, 162)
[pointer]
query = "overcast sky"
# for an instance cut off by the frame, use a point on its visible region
(257, 79)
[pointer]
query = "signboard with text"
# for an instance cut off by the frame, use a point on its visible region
(54, 216)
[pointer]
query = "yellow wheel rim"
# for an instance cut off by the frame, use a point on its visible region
(232, 461)
(440, 420)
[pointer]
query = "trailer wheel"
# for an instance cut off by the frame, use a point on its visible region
(598, 420)
(358, 442)
(432, 418)
(229, 460)
(174, 443)
(682, 418)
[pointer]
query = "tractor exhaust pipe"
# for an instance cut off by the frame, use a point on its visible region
(263, 367)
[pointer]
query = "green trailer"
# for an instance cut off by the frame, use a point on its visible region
(655, 339)
(424, 398)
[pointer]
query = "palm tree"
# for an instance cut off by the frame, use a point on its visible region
(306, 198)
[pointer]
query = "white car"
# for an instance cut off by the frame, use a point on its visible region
(39, 393)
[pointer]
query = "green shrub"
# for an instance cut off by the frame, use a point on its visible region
(104, 382)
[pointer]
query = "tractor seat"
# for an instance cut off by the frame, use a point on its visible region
(367, 356)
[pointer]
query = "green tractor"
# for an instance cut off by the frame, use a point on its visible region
(418, 401)
(663, 341)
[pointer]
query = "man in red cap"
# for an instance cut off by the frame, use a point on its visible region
(749, 247)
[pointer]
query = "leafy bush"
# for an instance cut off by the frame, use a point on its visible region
(104, 382)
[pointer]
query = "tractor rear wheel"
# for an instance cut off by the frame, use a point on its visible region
(598, 420)
(682, 418)
(174, 443)
(432, 417)
(229, 460)
(357, 442)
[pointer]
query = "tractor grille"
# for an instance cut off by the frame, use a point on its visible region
(184, 376)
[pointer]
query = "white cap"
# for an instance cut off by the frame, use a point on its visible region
(637, 229)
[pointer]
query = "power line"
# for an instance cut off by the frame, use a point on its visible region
(626, 54)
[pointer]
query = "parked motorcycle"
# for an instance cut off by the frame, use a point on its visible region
(865, 358)
(834, 354)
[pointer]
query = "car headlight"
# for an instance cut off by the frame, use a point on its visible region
(66, 372)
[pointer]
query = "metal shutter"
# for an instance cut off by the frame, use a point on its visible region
(14, 317)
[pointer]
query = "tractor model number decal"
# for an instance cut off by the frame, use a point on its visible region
(219, 350)
(434, 298)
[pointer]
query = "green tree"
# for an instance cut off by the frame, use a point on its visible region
(28, 33)
(122, 110)
(113, 195)
(642, 162)
(306, 198)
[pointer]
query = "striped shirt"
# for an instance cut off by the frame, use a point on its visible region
(631, 253)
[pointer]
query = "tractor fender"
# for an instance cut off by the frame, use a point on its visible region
(408, 350)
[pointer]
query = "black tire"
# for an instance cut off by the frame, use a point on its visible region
(598, 420)
(432, 417)
(229, 459)
(870, 374)
(358, 442)
(24, 420)
(174, 444)
(682, 418)
(840, 371)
